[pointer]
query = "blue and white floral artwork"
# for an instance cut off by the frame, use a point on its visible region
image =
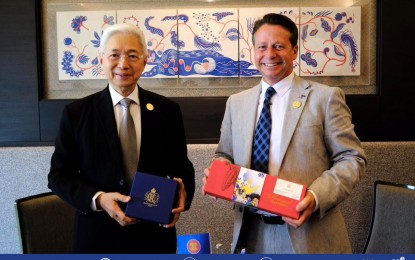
(207, 42)
(330, 41)
(160, 30)
(78, 36)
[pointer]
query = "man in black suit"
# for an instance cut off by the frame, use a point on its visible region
(87, 168)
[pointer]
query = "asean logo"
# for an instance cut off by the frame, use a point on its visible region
(193, 246)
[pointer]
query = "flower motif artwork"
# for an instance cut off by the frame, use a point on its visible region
(160, 30)
(330, 41)
(208, 42)
(78, 42)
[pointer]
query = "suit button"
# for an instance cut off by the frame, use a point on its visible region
(121, 182)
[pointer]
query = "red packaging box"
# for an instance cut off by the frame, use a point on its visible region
(281, 197)
(222, 179)
(254, 189)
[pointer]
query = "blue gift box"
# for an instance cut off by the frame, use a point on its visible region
(194, 244)
(152, 198)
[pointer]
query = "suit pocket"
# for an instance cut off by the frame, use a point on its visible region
(309, 122)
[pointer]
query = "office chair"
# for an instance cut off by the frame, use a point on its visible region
(45, 224)
(392, 229)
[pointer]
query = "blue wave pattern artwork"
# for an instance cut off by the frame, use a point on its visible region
(203, 50)
(206, 43)
(201, 62)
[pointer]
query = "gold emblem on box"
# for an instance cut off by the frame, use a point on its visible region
(151, 198)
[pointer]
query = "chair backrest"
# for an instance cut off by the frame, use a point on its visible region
(392, 228)
(45, 224)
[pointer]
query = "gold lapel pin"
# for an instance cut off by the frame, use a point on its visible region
(296, 104)
(150, 106)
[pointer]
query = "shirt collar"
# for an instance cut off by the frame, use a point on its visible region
(281, 86)
(116, 97)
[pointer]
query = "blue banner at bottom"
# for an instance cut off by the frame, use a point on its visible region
(203, 257)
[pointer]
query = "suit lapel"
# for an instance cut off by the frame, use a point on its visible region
(296, 103)
(147, 121)
(104, 110)
(247, 116)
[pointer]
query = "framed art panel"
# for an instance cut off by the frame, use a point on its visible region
(208, 39)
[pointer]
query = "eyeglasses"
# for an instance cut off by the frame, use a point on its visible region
(115, 57)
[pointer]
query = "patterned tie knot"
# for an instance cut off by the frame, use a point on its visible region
(268, 95)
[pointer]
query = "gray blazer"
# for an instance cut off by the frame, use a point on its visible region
(319, 148)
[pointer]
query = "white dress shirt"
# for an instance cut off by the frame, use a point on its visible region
(278, 108)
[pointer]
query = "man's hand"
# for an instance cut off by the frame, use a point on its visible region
(109, 203)
(205, 177)
(181, 204)
(207, 171)
(306, 208)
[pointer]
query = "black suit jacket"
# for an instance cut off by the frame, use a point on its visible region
(88, 159)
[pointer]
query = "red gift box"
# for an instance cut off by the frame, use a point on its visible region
(281, 197)
(222, 179)
(254, 189)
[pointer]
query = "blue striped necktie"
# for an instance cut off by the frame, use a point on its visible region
(262, 137)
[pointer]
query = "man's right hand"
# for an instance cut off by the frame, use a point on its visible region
(109, 202)
(207, 171)
(205, 177)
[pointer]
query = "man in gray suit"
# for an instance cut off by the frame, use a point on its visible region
(312, 143)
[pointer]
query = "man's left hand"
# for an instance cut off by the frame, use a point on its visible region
(306, 208)
(182, 203)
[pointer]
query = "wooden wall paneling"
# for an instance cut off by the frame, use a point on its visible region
(19, 115)
(396, 69)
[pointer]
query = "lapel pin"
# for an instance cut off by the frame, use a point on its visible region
(296, 104)
(150, 107)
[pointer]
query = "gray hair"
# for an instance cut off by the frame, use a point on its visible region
(123, 28)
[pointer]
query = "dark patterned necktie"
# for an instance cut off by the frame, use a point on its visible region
(262, 137)
(128, 139)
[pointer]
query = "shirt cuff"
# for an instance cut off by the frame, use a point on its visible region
(315, 198)
(93, 203)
